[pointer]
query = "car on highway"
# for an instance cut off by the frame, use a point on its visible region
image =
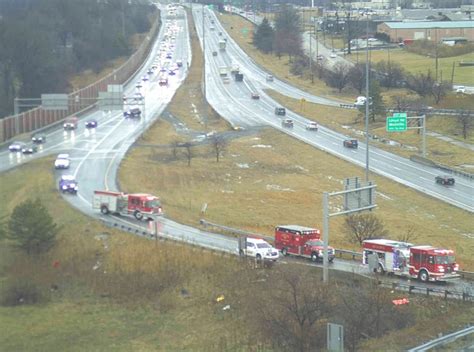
(255, 95)
(461, 90)
(445, 180)
(288, 123)
(38, 138)
(68, 184)
(62, 161)
(150, 72)
(333, 55)
(70, 123)
(91, 123)
(169, 55)
(29, 149)
(259, 249)
(269, 78)
(145, 78)
(280, 111)
(138, 85)
(312, 126)
(135, 112)
(320, 57)
(214, 53)
(171, 72)
(350, 143)
(179, 63)
(163, 81)
(138, 96)
(16, 146)
(226, 80)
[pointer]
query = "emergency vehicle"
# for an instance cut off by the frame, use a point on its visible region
(302, 242)
(140, 205)
(425, 263)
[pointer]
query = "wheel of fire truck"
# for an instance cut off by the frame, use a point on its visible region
(423, 276)
(104, 210)
(284, 251)
(259, 258)
(314, 257)
(138, 215)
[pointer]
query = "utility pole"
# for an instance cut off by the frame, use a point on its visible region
(367, 102)
(436, 52)
(204, 53)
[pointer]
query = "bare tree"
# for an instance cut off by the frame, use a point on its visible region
(357, 77)
(338, 77)
(188, 151)
(360, 227)
(421, 83)
(293, 310)
(175, 145)
(390, 74)
(218, 143)
(409, 235)
(440, 90)
(465, 120)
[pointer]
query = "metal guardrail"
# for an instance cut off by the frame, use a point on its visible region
(465, 296)
(429, 162)
(440, 341)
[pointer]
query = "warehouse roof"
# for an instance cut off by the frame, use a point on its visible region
(430, 25)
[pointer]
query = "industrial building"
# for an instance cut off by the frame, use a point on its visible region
(434, 30)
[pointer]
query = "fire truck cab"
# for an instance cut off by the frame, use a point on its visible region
(301, 241)
(425, 263)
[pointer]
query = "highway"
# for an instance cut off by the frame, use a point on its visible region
(233, 102)
(96, 154)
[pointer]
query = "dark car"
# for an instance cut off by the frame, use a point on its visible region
(30, 149)
(16, 146)
(255, 96)
(135, 112)
(214, 53)
(445, 180)
(91, 124)
(351, 143)
(179, 63)
(68, 184)
(38, 138)
(171, 72)
(287, 123)
(150, 72)
(280, 111)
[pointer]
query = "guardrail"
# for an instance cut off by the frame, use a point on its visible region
(429, 162)
(465, 296)
(235, 231)
(440, 341)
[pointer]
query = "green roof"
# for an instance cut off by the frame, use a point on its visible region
(430, 25)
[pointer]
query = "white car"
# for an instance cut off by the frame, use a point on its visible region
(312, 126)
(461, 89)
(259, 249)
(62, 161)
(333, 56)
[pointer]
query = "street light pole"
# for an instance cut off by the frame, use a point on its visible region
(367, 102)
(204, 53)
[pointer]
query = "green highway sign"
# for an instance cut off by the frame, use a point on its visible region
(397, 122)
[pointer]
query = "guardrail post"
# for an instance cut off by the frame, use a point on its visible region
(411, 288)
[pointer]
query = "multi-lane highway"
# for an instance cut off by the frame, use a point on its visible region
(233, 101)
(97, 153)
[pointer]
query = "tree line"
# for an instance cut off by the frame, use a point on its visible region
(46, 42)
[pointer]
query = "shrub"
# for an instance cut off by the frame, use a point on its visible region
(22, 291)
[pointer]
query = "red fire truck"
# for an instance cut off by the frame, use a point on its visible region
(425, 263)
(140, 205)
(301, 241)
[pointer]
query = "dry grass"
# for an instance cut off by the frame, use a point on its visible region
(334, 118)
(415, 63)
(276, 189)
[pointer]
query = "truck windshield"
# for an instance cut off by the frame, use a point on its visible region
(263, 245)
(155, 203)
(446, 259)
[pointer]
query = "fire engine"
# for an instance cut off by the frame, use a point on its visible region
(140, 205)
(302, 242)
(425, 263)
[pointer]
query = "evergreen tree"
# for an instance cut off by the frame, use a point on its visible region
(263, 37)
(32, 228)
(287, 37)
